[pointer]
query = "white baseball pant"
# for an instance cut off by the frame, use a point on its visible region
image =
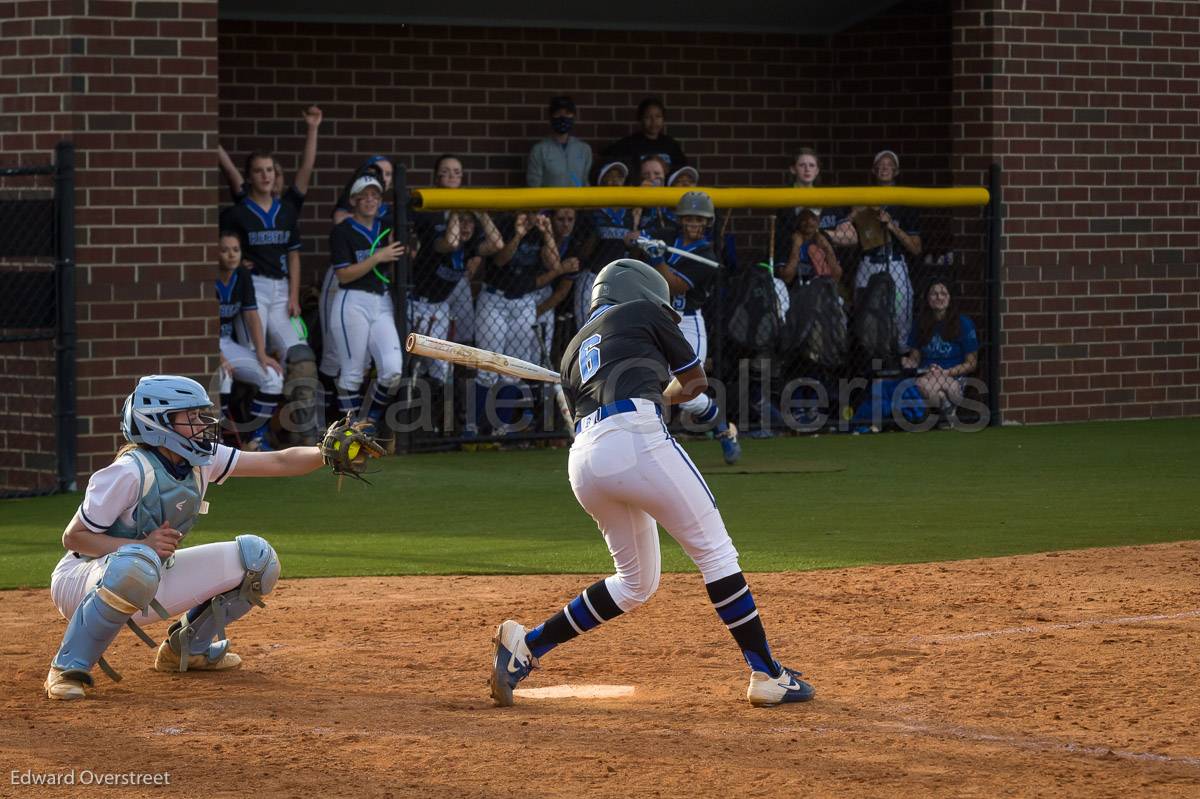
(271, 294)
(198, 574)
(897, 267)
(329, 290)
(505, 326)
(628, 472)
(430, 319)
(694, 331)
(462, 310)
(247, 369)
(363, 327)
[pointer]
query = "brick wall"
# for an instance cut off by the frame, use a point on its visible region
(1091, 107)
(134, 85)
(739, 104)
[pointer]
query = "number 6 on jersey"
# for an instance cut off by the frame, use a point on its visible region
(589, 358)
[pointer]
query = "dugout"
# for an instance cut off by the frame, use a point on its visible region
(1088, 110)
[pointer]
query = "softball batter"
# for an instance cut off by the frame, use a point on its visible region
(363, 325)
(628, 472)
(122, 562)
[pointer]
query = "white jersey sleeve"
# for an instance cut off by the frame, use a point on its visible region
(111, 494)
(217, 472)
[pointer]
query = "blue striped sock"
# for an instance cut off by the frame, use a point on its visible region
(589, 610)
(734, 603)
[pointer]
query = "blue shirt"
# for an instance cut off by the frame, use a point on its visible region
(947, 354)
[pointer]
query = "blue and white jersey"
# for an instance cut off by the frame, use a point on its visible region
(267, 235)
(350, 243)
(234, 297)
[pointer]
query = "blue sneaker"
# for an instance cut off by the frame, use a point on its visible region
(768, 691)
(511, 662)
(730, 447)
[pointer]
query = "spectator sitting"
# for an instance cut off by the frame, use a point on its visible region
(811, 253)
(944, 342)
(559, 159)
(650, 140)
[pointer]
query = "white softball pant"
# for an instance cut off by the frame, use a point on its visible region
(329, 290)
(272, 297)
(363, 327)
(696, 333)
(583, 297)
(545, 328)
(247, 369)
(628, 472)
(505, 326)
(462, 312)
(431, 319)
(198, 574)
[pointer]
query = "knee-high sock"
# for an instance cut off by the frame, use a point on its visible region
(591, 608)
(734, 604)
(710, 414)
(381, 398)
(263, 408)
(349, 402)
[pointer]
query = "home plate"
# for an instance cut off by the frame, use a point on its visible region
(575, 692)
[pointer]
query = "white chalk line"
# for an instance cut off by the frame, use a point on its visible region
(1038, 628)
(1024, 742)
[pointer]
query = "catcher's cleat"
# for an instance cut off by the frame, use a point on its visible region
(511, 662)
(730, 447)
(167, 660)
(768, 691)
(66, 684)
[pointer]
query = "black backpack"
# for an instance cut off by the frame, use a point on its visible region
(754, 319)
(815, 328)
(875, 319)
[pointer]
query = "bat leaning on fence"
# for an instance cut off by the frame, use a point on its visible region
(479, 359)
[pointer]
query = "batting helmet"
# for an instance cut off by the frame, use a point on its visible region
(695, 203)
(146, 417)
(627, 280)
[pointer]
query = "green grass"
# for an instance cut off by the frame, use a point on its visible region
(818, 502)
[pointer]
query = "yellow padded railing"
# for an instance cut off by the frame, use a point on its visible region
(638, 197)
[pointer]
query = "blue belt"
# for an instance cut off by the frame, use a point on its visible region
(605, 411)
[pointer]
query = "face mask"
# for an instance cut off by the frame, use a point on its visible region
(562, 124)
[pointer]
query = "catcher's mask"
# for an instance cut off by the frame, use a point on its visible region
(147, 417)
(626, 280)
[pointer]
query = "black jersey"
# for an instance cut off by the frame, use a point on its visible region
(609, 226)
(351, 243)
(624, 351)
(433, 275)
(267, 236)
(291, 194)
(519, 276)
(234, 297)
(699, 277)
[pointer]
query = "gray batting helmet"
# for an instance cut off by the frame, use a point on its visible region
(695, 203)
(627, 280)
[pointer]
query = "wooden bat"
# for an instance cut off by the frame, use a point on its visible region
(480, 359)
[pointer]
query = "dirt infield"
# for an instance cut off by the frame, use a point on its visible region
(1069, 674)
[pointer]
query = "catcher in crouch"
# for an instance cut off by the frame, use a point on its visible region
(123, 565)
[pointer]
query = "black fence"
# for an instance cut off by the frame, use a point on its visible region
(813, 319)
(37, 327)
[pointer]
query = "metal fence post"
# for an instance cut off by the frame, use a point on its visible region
(994, 267)
(65, 347)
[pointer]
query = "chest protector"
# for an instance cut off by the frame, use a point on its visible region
(164, 498)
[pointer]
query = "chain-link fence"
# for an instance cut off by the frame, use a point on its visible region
(37, 327)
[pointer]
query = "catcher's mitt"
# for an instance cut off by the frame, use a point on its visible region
(348, 445)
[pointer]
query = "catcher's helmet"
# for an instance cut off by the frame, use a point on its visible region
(627, 280)
(146, 417)
(695, 203)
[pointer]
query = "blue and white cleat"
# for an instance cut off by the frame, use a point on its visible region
(511, 662)
(768, 691)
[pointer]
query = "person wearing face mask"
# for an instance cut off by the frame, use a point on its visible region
(650, 140)
(560, 159)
